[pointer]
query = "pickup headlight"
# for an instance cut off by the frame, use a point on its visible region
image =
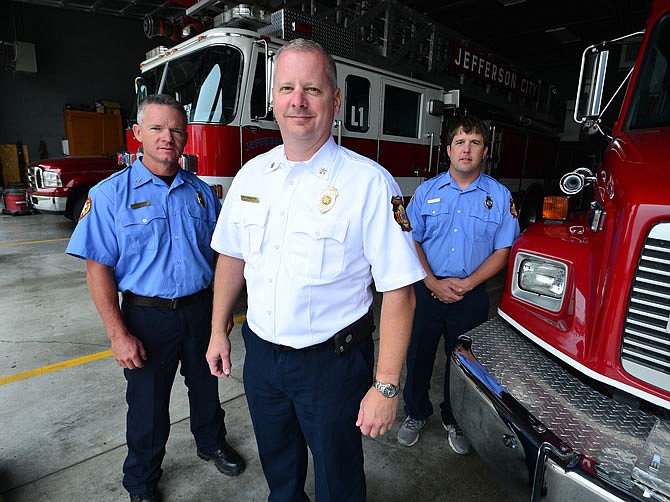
(51, 179)
(540, 281)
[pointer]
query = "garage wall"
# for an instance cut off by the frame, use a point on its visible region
(81, 58)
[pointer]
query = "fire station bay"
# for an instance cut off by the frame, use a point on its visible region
(563, 393)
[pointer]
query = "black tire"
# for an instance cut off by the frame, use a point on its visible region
(530, 210)
(77, 207)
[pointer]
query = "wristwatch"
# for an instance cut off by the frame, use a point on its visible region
(387, 389)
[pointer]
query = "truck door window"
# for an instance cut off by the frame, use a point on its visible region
(401, 112)
(357, 104)
(258, 90)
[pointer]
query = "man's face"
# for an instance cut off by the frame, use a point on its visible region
(304, 102)
(466, 153)
(163, 136)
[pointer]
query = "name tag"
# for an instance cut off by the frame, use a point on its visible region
(140, 204)
(249, 198)
(433, 201)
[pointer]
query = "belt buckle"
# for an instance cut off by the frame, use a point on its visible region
(174, 303)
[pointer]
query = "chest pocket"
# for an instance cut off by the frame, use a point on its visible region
(251, 230)
(484, 223)
(436, 218)
(317, 249)
(142, 227)
(204, 222)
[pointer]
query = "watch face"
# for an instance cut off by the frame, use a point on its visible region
(387, 389)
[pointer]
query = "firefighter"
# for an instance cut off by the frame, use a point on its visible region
(145, 231)
(309, 225)
(463, 224)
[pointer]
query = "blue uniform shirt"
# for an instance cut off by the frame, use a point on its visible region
(459, 229)
(156, 237)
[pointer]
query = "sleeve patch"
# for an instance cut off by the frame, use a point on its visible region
(399, 213)
(86, 208)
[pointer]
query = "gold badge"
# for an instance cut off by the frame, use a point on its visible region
(327, 199)
(488, 202)
(201, 199)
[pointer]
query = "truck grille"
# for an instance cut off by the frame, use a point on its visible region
(645, 348)
(35, 177)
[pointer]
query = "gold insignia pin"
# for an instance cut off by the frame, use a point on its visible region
(327, 199)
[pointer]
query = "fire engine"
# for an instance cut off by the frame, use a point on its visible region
(223, 78)
(566, 392)
(394, 100)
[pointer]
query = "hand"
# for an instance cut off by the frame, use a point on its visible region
(449, 290)
(376, 413)
(218, 353)
(128, 351)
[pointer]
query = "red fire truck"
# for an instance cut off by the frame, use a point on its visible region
(223, 77)
(221, 69)
(566, 393)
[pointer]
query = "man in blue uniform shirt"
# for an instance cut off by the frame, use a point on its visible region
(308, 226)
(145, 231)
(463, 224)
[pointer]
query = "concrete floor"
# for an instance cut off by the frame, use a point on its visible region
(62, 412)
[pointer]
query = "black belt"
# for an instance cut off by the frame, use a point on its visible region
(343, 340)
(157, 301)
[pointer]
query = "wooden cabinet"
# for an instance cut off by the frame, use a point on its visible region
(91, 133)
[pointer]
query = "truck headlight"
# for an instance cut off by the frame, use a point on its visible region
(540, 281)
(51, 179)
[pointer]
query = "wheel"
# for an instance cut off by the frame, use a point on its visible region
(77, 207)
(530, 210)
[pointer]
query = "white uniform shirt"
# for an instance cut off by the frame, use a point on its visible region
(308, 269)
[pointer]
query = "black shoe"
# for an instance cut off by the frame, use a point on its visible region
(145, 497)
(227, 460)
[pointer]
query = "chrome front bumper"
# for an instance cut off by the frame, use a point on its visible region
(547, 434)
(49, 205)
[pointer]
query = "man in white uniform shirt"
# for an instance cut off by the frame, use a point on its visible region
(309, 226)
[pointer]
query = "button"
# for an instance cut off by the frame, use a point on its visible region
(144, 220)
(268, 312)
(276, 246)
(455, 230)
(176, 237)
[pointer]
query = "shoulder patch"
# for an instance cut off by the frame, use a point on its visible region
(399, 213)
(86, 208)
(512, 208)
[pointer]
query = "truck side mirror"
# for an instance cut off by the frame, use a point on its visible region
(591, 84)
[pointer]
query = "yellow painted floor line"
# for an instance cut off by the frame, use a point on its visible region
(25, 243)
(68, 364)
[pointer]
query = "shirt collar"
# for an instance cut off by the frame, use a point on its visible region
(140, 174)
(320, 164)
(480, 183)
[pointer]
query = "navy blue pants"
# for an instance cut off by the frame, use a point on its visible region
(308, 398)
(170, 337)
(434, 320)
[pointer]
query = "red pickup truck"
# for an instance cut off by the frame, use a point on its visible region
(61, 185)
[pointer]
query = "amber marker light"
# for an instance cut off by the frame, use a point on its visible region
(555, 208)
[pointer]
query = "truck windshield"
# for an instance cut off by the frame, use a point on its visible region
(206, 82)
(651, 105)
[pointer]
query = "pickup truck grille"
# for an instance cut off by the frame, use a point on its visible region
(645, 347)
(35, 177)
